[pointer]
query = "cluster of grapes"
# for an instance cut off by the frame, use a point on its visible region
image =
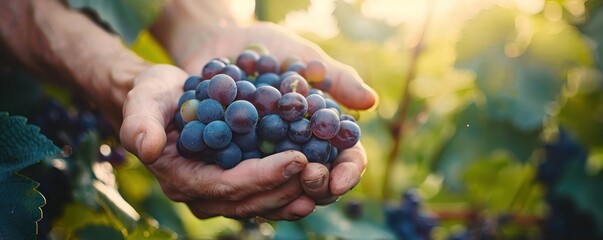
(407, 221)
(565, 220)
(255, 106)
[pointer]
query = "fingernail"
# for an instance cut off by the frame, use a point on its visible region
(139, 140)
(292, 169)
(315, 184)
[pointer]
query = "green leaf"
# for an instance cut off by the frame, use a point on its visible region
(20, 207)
(584, 190)
(286, 230)
(126, 17)
(21, 145)
(99, 232)
(331, 221)
(149, 229)
(275, 11)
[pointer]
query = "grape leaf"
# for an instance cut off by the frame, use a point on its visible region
(21, 146)
(126, 17)
(98, 232)
(584, 190)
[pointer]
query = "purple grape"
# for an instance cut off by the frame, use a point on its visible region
(325, 123)
(241, 116)
(245, 90)
(267, 63)
(317, 150)
(209, 110)
(292, 106)
(333, 155)
(247, 60)
(324, 85)
(299, 131)
(191, 83)
(191, 137)
(212, 68)
(223, 89)
(233, 71)
(316, 91)
(217, 134)
(229, 156)
(273, 128)
(184, 152)
(294, 83)
(201, 90)
(348, 135)
(223, 59)
(265, 99)
(315, 103)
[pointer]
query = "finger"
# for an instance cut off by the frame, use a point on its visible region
(148, 108)
(295, 210)
(347, 170)
(194, 179)
(315, 181)
(252, 206)
(348, 88)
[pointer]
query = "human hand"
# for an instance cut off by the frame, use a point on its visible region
(269, 187)
(322, 184)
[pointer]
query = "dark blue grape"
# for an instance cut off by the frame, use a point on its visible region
(229, 156)
(317, 150)
(191, 137)
(245, 90)
(188, 95)
(325, 123)
(324, 85)
(223, 89)
(241, 116)
(247, 141)
(186, 153)
(348, 117)
(287, 144)
(316, 91)
(212, 68)
(292, 106)
(253, 154)
(333, 155)
(298, 67)
(191, 83)
(273, 128)
(217, 134)
(330, 103)
(347, 136)
(299, 131)
(178, 121)
(271, 79)
(209, 110)
(201, 90)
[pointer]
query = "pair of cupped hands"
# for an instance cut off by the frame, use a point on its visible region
(282, 186)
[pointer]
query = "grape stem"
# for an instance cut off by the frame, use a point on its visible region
(397, 122)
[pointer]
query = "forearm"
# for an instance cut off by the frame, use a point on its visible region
(174, 28)
(58, 42)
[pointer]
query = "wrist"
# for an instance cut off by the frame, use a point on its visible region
(184, 26)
